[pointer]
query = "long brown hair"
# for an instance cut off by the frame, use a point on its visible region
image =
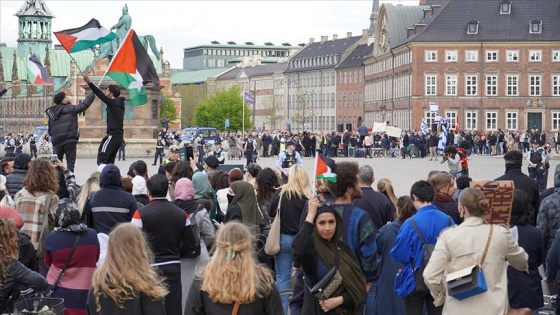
(126, 270)
(9, 248)
(474, 201)
(41, 177)
(232, 275)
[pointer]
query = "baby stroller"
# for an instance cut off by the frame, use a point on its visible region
(234, 150)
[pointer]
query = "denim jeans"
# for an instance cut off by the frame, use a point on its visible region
(283, 264)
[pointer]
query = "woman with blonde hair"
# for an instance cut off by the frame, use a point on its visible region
(37, 195)
(91, 185)
(126, 283)
(474, 243)
(385, 187)
(233, 280)
(445, 188)
(290, 199)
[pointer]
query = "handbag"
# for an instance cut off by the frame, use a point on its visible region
(469, 281)
(330, 282)
(272, 245)
(47, 227)
(66, 263)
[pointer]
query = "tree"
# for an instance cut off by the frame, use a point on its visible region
(192, 95)
(302, 110)
(273, 111)
(221, 106)
(167, 108)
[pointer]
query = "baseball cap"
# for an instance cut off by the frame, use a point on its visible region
(212, 161)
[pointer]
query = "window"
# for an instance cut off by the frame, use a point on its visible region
(505, 7)
(491, 85)
(471, 56)
(535, 27)
(556, 85)
(555, 120)
(451, 119)
(470, 84)
(491, 56)
(534, 85)
(431, 85)
(472, 27)
(451, 85)
(491, 120)
(429, 116)
(556, 56)
(431, 56)
(470, 120)
(512, 55)
(451, 56)
(535, 55)
(512, 85)
(511, 120)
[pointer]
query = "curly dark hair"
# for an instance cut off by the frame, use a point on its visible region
(41, 177)
(219, 180)
(182, 169)
(9, 248)
(346, 177)
(267, 182)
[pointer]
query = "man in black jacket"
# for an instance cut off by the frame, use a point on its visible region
(63, 126)
(514, 161)
(115, 119)
(379, 207)
(170, 233)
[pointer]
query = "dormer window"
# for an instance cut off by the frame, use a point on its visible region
(505, 7)
(535, 27)
(472, 27)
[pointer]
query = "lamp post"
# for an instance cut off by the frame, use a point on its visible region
(288, 83)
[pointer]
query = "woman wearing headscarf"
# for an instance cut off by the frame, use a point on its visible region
(68, 233)
(184, 199)
(243, 205)
(316, 247)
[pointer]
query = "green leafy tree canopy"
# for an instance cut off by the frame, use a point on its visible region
(221, 106)
(167, 108)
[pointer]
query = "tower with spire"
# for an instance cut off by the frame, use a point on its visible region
(34, 31)
(373, 18)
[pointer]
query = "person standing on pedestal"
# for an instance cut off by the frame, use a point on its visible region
(115, 119)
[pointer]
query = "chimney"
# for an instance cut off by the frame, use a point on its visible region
(427, 12)
(410, 32)
(348, 34)
(311, 40)
(365, 33)
(435, 9)
(324, 39)
(419, 28)
(335, 37)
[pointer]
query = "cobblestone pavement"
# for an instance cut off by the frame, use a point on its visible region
(402, 172)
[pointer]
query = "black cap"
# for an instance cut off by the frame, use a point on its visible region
(212, 162)
(59, 97)
(534, 141)
(514, 157)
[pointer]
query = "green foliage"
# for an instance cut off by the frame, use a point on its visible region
(167, 108)
(192, 95)
(222, 106)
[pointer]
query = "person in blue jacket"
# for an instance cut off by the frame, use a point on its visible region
(408, 249)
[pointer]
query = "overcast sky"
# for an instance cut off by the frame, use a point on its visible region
(181, 24)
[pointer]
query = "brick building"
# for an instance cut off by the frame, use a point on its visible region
(488, 64)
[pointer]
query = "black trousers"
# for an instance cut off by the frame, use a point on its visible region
(33, 150)
(172, 275)
(68, 149)
(108, 148)
(414, 304)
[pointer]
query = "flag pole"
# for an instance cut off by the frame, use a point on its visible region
(113, 59)
(243, 124)
(71, 57)
(315, 174)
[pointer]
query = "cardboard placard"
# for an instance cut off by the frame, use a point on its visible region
(500, 195)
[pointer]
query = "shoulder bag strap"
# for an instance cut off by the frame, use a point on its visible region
(235, 308)
(417, 231)
(487, 245)
(48, 200)
(66, 263)
(279, 204)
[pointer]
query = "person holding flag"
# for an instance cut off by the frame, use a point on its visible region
(3, 91)
(115, 120)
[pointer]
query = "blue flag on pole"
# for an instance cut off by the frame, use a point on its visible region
(424, 127)
(442, 139)
(248, 98)
(434, 108)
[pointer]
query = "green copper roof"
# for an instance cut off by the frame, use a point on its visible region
(192, 77)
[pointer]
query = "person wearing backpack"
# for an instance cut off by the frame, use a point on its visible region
(203, 232)
(415, 242)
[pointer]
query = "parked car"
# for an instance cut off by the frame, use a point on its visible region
(189, 134)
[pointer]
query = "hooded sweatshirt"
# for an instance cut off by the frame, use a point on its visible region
(548, 219)
(111, 205)
(63, 121)
(115, 111)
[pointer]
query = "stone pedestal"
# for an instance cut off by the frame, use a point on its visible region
(141, 122)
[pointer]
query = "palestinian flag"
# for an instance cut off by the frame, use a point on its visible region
(325, 168)
(84, 37)
(36, 73)
(131, 67)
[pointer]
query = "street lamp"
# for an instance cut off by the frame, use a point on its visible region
(288, 83)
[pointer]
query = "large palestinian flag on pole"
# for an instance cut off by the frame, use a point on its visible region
(84, 37)
(36, 73)
(132, 67)
(325, 168)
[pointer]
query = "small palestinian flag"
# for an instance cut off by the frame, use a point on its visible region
(36, 73)
(132, 67)
(325, 168)
(84, 37)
